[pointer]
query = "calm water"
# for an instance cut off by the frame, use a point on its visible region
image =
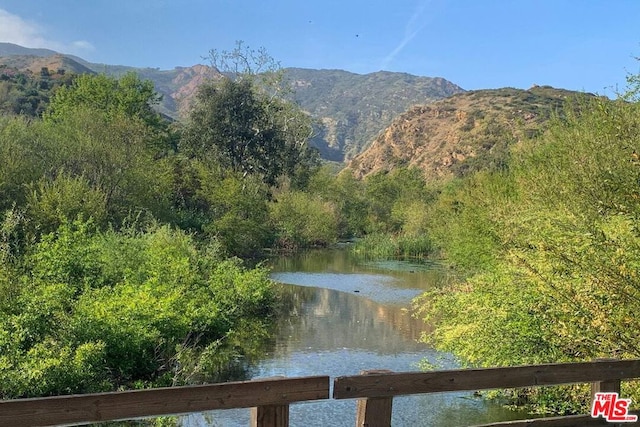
(340, 317)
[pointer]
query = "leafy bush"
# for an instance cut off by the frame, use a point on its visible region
(303, 220)
(548, 249)
(237, 213)
(52, 203)
(110, 309)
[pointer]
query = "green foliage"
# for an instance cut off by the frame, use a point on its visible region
(23, 158)
(247, 132)
(222, 205)
(128, 96)
(67, 255)
(22, 93)
(114, 156)
(44, 163)
(238, 215)
(244, 122)
(464, 219)
(388, 246)
(303, 220)
(348, 197)
(103, 310)
(229, 124)
(53, 203)
(392, 209)
(391, 194)
(548, 251)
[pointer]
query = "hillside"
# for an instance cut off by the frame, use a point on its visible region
(349, 109)
(35, 64)
(7, 49)
(463, 133)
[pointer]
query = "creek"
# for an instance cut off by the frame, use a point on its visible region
(340, 316)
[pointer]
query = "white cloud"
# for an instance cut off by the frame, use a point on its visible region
(14, 29)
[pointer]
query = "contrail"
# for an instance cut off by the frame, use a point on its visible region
(411, 30)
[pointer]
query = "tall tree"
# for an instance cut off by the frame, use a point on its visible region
(114, 98)
(244, 123)
(128, 95)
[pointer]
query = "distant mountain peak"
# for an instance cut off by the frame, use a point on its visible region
(349, 109)
(7, 49)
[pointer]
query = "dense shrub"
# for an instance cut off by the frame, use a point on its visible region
(303, 220)
(548, 249)
(102, 310)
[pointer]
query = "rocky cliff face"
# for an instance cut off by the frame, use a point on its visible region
(461, 134)
(186, 83)
(351, 109)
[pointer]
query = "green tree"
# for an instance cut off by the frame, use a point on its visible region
(391, 193)
(237, 213)
(115, 156)
(244, 122)
(127, 95)
(302, 220)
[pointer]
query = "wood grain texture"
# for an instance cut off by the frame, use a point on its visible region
(374, 412)
(396, 384)
(86, 408)
(270, 416)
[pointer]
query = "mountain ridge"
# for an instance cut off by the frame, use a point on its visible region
(348, 109)
(351, 109)
(464, 133)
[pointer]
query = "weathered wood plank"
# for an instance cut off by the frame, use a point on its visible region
(270, 416)
(86, 408)
(374, 412)
(611, 386)
(396, 384)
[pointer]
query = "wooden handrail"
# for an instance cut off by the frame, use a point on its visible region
(270, 398)
(87, 408)
(402, 383)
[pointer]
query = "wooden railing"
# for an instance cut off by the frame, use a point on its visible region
(270, 398)
(376, 389)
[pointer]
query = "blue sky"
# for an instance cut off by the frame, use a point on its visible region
(585, 45)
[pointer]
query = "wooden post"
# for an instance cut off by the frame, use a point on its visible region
(270, 416)
(605, 386)
(374, 411)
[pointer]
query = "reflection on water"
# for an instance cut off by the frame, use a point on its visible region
(404, 275)
(327, 328)
(322, 319)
